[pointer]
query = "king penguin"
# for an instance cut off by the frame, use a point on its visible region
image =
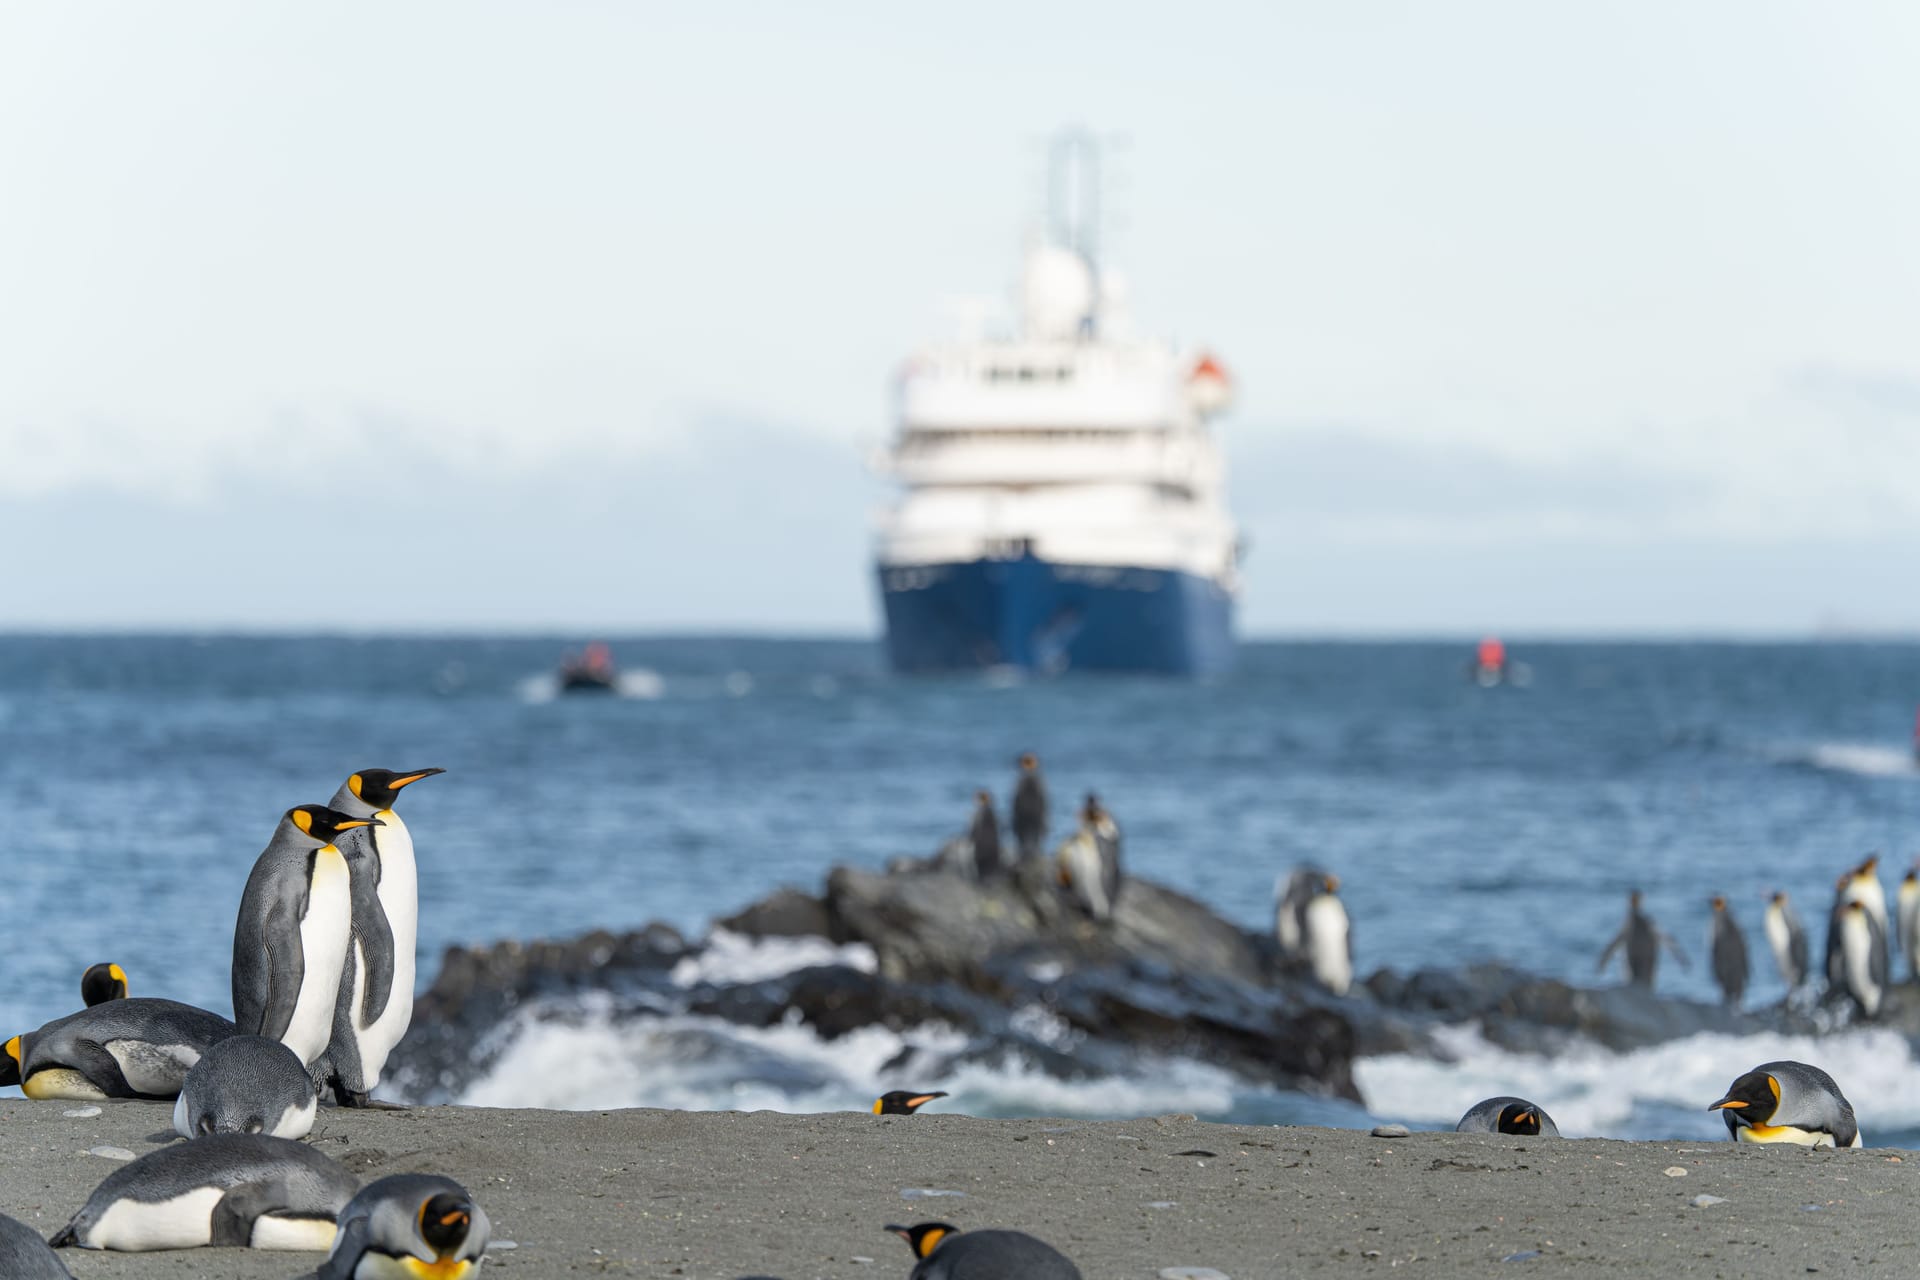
(1863, 958)
(985, 836)
(1728, 950)
(1328, 938)
(290, 937)
(1089, 861)
(246, 1084)
(134, 1048)
(1907, 915)
(1861, 885)
(1643, 940)
(948, 1253)
(238, 1189)
(1029, 813)
(25, 1256)
(375, 1000)
(408, 1224)
(101, 983)
(1788, 939)
(1788, 1102)
(903, 1102)
(1511, 1115)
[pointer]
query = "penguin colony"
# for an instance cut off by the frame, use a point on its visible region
(322, 992)
(323, 981)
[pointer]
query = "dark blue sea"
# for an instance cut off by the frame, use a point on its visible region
(140, 776)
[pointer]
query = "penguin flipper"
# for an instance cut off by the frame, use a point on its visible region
(91, 1060)
(242, 1206)
(1619, 939)
(372, 944)
(348, 1247)
(286, 968)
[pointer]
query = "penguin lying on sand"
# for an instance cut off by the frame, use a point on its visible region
(1508, 1115)
(246, 1084)
(409, 1224)
(25, 1256)
(236, 1189)
(134, 1048)
(903, 1102)
(947, 1253)
(1788, 1102)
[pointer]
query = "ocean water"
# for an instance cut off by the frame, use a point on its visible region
(140, 776)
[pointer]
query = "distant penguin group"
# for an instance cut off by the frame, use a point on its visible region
(1086, 865)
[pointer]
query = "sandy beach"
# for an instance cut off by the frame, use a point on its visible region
(719, 1195)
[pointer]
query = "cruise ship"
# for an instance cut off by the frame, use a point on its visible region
(1063, 503)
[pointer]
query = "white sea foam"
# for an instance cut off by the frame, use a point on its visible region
(1868, 760)
(1657, 1092)
(731, 958)
(588, 1060)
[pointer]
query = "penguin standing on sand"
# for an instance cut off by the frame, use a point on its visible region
(1863, 958)
(947, 1253)
(135, 1048)
(1511, 1115)
(1789, 941)
(374, 1003)
(1788, 1102)
(238, 1189)
(1029, 815)
(101, 983)
(1729, 952)
(1907, 918)
(1643, 940)
(246, 1084)
(290, 937)
(408, 1224)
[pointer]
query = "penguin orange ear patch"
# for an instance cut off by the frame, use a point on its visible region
(302, 819)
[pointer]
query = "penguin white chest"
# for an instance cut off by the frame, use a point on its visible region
(324, 933)
(1327, 945)
(1856, 949)
(400, 900)
(1778, 937)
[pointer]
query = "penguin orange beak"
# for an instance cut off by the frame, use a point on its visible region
(1727, 1104)
(407, 780)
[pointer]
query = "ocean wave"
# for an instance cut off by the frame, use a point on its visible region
(1863, 759)
(730, 958)
(1657, 1092)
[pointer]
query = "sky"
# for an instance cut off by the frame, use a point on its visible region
(1544, 318)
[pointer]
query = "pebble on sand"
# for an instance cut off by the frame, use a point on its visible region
(81, 1113)
(1674, 1171)
(110, 1153)
(1192, 1273)
(1704, 1202)
(1391, 1131)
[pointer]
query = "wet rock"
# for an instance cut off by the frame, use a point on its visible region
(789, 913)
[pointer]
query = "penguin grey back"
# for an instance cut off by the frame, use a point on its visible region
(1509, 1115)
(25, 1256)
(257, 1177)
(246, 1084)
(141, 1047)
(1029, 814)
(985, 835)
(947, 1253)
(1729, 950)
(409, 1215)
(1778, 1100)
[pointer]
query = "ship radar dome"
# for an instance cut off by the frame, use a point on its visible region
(1056, 294)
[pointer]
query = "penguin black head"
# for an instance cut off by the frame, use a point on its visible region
(381, 787)
(323, 824)
(444, 1221)
(1090, 809)
(1751, 1100)
(1779, 898)
(1332, 882)
(924, 1237)
(902, 1102)
(983, 799)
(1029, 762)
(1522, 1118)
(10, 1062)
(103, 982)
(1719, 903)
(1633, 899)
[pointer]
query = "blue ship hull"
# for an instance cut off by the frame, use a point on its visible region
(1049, 618)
